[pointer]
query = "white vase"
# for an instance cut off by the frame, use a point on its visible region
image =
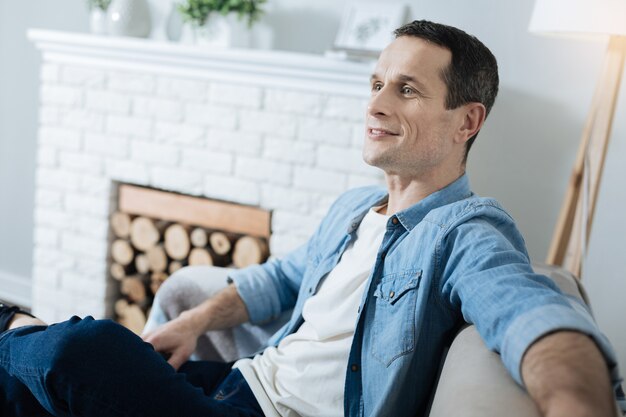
(98, 21)
(129, 18)
(223, 32)
(166, 22)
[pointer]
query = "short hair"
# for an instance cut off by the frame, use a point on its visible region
(472, 75)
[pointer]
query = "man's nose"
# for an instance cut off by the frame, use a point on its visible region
(380, 103)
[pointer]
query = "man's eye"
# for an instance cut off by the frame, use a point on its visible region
(407, 90)
(377, 87)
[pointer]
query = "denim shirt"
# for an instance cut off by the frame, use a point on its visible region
(452, 258)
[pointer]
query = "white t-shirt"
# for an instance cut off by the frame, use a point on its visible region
(305, 374)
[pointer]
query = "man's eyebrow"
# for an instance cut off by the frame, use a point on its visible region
(410, 79)
(403, 78)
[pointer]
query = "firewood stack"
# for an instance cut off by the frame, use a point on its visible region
(145, 251)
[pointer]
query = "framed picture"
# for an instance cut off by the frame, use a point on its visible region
(368, 26)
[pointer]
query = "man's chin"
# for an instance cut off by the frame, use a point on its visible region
(377, 162)
(369, 160)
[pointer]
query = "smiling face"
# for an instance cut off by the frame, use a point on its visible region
(409, 131)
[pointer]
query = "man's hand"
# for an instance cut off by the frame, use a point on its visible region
(177, 338)
(567, 376)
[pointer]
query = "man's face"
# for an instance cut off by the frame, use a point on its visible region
(409, 132)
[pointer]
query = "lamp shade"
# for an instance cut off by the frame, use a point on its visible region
(579, 17)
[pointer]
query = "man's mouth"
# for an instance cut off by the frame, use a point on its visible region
(378, 132)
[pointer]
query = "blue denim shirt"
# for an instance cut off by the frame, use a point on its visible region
(449, 259)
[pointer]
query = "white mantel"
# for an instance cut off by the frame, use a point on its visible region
(277, 130)
(272, 68)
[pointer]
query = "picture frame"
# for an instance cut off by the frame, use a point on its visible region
(367, 27)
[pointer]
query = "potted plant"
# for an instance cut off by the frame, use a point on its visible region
(224, 23)
(97, 15)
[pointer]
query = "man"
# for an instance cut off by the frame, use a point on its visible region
(377, 292)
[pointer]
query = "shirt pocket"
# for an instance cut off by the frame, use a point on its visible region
(394, 321)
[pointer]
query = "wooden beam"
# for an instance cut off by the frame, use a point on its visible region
(194, 211)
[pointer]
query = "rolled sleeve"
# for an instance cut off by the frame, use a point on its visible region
(251, 284)
(271, 288)
(530, 326)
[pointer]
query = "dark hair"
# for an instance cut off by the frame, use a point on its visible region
(472, 75)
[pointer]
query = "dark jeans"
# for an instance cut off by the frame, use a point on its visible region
(93, 368)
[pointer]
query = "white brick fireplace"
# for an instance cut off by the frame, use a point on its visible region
(277, 130)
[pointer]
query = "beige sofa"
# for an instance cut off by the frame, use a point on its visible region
(472, 383)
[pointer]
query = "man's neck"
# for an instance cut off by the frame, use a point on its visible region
(405, 192)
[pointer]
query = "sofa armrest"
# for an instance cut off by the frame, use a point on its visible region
(474, 383)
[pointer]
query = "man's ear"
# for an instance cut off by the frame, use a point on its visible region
(474, 115)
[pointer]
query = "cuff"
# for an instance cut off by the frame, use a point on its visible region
(538, 322)
(252, 284)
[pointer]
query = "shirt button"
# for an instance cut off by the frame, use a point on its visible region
(382, 256)
(354, 368)
(394, 220)
(311, 290)
(392, 294)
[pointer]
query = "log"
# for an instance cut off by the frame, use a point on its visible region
(130, 316)
(222, 243)
(157, 259)
(143, 233)
(199, 237)
(134, 289)
(250, 250)
(120, 224)
(119, 271)
(142, 264)
(156, 279)
(122, 252)
(175, 266)
(177, 243)
(200, 256)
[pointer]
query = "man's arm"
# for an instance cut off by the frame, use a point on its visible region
(259, 293)
(524, 317)
(567, 376)
(179, 337)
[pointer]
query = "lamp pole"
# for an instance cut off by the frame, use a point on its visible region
(573, 227)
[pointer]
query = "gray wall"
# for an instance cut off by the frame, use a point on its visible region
(522, 157)
(19, 69)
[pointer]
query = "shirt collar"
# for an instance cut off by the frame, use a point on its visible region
(411, 216)
(455, 191)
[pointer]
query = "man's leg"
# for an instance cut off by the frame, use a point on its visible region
(16, 400)
(222, 384)
(98, 368)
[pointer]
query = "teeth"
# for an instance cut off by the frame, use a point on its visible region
(378, 131)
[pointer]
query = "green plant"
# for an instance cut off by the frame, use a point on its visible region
(98, 4)
(197, 12)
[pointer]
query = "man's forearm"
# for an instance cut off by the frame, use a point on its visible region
(224, 310)
(566, 375)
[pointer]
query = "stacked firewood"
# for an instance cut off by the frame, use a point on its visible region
(146, 251)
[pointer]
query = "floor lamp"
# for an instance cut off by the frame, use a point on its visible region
(580, 17)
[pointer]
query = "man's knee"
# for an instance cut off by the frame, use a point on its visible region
(80, 342)
(172, 293)
(188, 287)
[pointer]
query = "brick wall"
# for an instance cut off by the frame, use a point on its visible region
(290, 151)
